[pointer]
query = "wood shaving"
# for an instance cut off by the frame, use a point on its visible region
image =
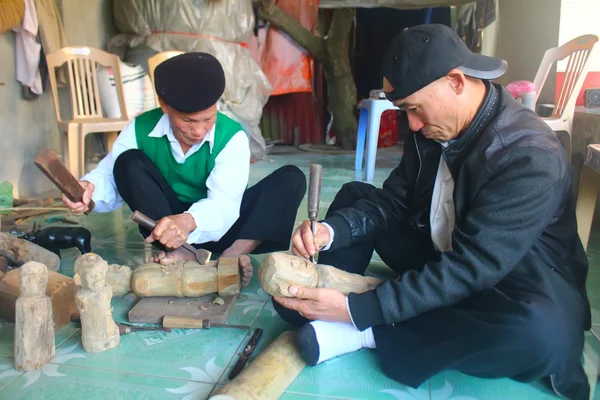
(218, 301)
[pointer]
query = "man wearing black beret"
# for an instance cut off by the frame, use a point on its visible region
(478, 221)
(187, 165)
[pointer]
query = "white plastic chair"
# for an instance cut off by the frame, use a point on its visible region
(578, 52)
(87, 116)
(368, 129)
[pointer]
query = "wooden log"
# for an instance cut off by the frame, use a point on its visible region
(61, 289)
(98, 329)
(184, 279)
(268, 375)
(279, 271)
(228, 276)
(34, 326)
(19, 251)
(117, 276)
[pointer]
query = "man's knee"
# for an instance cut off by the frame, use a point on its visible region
(350, 193)
(293, 179)
(130, 161)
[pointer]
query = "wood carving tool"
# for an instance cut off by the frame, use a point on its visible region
(248, 350)
(196, 323)
(314, 195)
(49, 163)
(202, 256)
(126, 329)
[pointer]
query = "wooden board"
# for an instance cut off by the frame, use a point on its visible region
(61, 289)
(153, 309)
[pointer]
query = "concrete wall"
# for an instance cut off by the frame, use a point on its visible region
(28, 126)
(525, 29)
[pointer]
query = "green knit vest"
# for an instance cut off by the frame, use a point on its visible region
(188, 180)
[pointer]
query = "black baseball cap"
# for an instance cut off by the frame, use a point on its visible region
(425, 53)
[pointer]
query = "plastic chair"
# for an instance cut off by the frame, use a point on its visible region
(578, 52)
(368, 128)
(87, 117)
(154, 61)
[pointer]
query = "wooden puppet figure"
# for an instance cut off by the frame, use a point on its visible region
(98, 329)
(34, 323)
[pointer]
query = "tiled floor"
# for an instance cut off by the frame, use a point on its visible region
(189, 364)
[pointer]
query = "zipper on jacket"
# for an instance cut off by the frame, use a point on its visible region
(419, 155)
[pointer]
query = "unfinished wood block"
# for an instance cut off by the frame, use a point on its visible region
(117, 276)
(228, 271)
(268, 375)
(61, 289)
(98, 329)
(279, 271)
(19, 251)
(34, 325)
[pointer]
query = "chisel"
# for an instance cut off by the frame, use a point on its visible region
(195, 323)
(314, 195)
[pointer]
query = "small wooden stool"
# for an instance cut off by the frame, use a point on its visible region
(588, 193)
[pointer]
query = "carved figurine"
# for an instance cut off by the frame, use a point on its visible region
(34, 324)
(279, 271)
(98, 329)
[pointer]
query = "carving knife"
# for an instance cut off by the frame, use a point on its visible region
(248, 350)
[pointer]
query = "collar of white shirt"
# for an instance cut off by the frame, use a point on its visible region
(163, 127)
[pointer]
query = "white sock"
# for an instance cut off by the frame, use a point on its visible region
(337, 338)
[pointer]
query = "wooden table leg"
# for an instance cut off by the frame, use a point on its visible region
(586, 202)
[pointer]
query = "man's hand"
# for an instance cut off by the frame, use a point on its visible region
(317, 303)
(303, 244)
(173, 231)
(82, 206)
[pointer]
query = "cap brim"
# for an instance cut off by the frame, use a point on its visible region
(484, 67)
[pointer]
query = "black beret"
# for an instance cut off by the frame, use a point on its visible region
(190, 82)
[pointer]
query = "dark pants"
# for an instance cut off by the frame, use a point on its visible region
(521, 330)
(267, 213)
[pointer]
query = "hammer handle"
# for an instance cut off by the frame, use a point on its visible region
(143, 220)
(314, 190)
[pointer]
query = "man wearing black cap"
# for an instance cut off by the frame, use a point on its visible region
(479, 222)
(186, 165)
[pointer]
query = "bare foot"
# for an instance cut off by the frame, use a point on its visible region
(245, 270)
(171, 257)
(245, 267)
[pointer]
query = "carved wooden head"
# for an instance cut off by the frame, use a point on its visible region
(33, 278)
(92, 270)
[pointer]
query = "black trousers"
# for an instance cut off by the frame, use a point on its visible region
(267, 213)
(525, 331)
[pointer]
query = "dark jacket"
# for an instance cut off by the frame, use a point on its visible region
(515, 214)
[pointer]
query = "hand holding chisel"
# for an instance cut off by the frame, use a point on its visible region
(314, 196)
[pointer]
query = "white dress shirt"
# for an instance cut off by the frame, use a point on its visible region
(226, 184)
(442, 216)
